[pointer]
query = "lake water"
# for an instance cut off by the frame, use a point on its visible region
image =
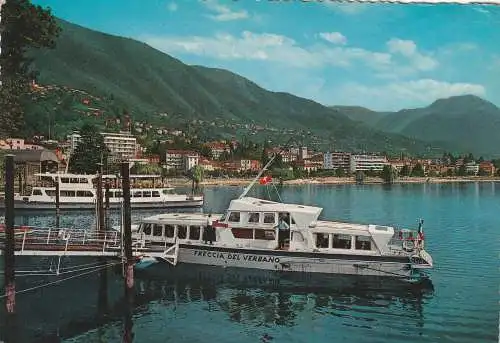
(204, 305)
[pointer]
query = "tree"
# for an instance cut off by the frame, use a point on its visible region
(405, 171)
(148, 169)
(90, 151)
(196, 175)
(360, 177)
(388, 174)
(339, 172)
(23, 27)
(418, 170)
(462, 171)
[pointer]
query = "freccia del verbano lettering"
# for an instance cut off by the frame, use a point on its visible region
(236, 256)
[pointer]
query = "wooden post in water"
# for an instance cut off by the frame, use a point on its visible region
(129, 261)
(9, 258)
(58, 194)
(106, 197)
(100, 207)
(127, 227)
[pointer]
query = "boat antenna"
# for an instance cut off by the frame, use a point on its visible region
(247, 189)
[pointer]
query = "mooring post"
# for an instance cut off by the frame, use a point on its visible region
(129, 261)
(100, 208)
(106, 197)
(58, 194)
(9, 258)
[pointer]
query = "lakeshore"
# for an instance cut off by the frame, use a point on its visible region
(335, 180)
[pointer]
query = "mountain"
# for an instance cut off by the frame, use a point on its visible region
(467, 123)
(360, 114)
(124, 73)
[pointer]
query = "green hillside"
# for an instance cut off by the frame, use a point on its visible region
(124, 73)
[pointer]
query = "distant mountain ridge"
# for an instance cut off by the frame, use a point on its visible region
(467, 123)
(131, 74)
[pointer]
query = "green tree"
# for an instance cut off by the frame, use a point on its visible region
(388, 174)
(339, 172)
(90, 151)
(196, 175)
(418, 170)
(360, 177)
(405, 171)
(148, 169)
(462, 171)
(23, 27)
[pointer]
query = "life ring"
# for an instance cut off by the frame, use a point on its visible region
(408, 245)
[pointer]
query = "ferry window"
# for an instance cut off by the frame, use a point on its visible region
(169, 231)
(146, 194)
(341, 242)
(67, 193)
(242, 233)
(137, 194)
(182, 231)
(118, 194)
(253, 217)
(363, 243)
(194, 232)
(37, 192)
(322, 240)
(50, 193)
(268, 235)
(223, 218)
(83, 180)
(156, 194)
(158, 230)
(84, 194)
(74, 180)
(269, 218)
(146, 229)
(234, 217)
(64, 180)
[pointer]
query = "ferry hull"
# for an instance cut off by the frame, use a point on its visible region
(50, 206)
(298, 262)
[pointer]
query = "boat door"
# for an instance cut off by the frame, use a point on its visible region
(284, 230)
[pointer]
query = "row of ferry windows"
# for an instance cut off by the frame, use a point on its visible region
(168, 231)
(117, 194)
(343, 242)
(254, 217)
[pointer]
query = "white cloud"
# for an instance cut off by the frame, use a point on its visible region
(272, 48)
(223, 12)
(172, 7)
(408, 49)
(346, 8)
(415, 93)
(334, 37)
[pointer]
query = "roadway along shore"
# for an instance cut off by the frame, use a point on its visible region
(334, 180)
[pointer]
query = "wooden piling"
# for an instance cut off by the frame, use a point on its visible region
(9, 258)
(127, 227)
(106, 202)
(58, 210)
(129, 261)
(100, 207)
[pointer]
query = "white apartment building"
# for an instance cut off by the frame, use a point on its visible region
(122, 146)
(337, 160)
(181, 160)
(367, 162)
(472, 168)
(74, 139)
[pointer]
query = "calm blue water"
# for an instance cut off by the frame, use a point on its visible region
(192, 305)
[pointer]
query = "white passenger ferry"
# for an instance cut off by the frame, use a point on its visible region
(77, 192)
(248, 235)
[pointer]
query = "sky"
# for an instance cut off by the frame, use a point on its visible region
(384, 57)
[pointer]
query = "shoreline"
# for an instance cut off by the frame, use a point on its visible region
(331, 180)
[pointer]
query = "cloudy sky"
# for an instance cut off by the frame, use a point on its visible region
(381, 56)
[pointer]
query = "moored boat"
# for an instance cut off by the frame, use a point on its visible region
(77, 192)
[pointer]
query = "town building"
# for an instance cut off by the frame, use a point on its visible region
(217, 149)
(337, 160)
(472, 168)
(487, 168)
(74, 139)
(181, 160)
(18, 144)
(122, 146)
(367, 163)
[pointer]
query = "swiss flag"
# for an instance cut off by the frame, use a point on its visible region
(265, 180)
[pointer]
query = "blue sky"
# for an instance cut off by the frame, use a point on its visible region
(381, 56)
